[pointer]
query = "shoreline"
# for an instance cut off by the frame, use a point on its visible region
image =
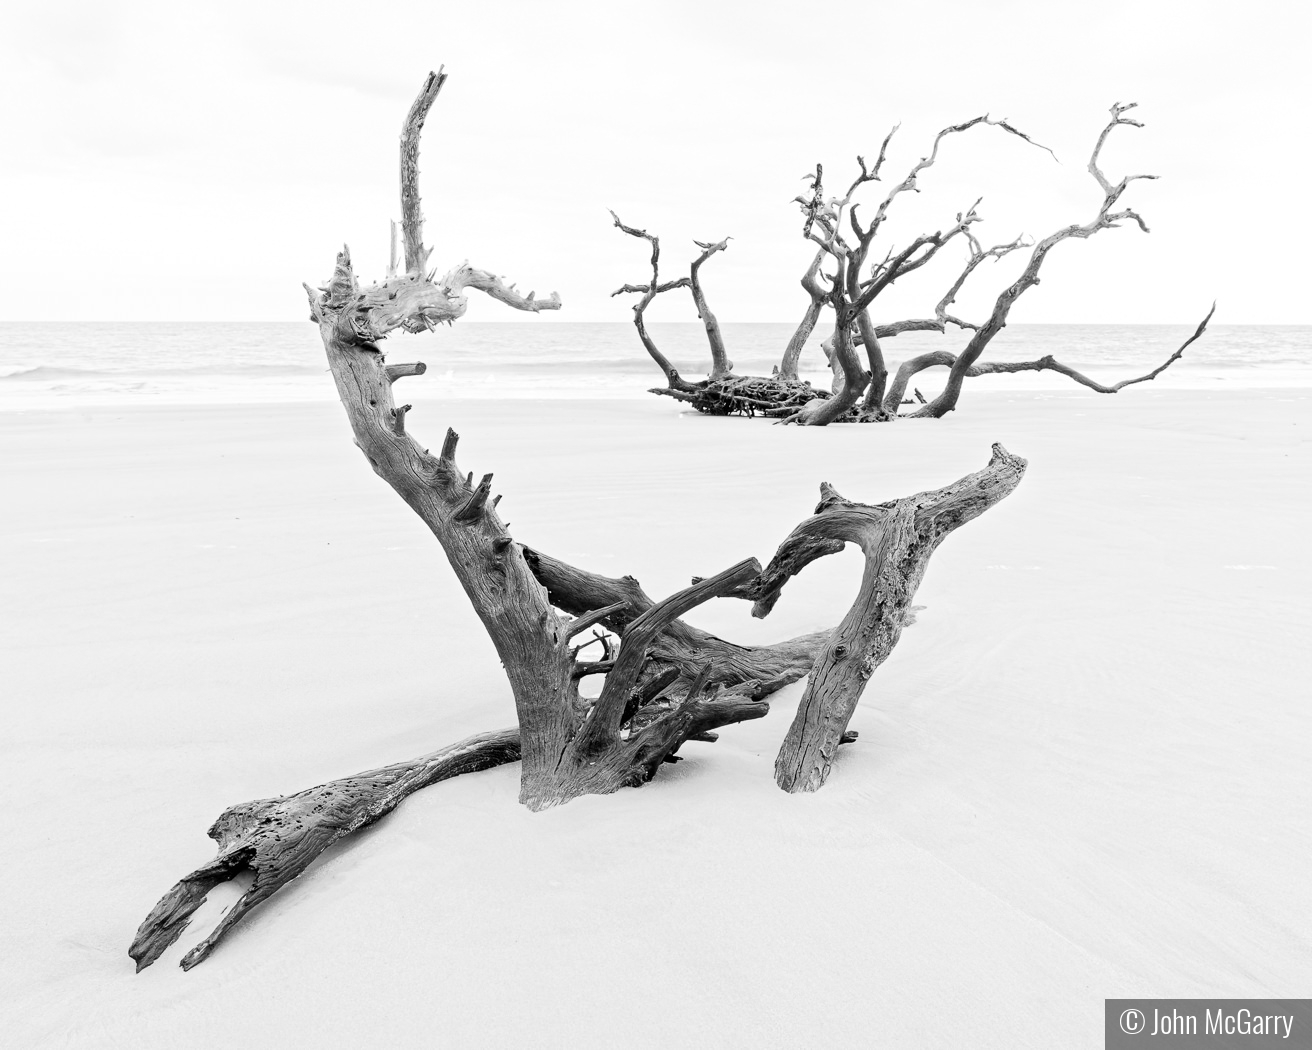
(1066, 391)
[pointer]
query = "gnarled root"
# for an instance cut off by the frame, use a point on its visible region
(770, 396)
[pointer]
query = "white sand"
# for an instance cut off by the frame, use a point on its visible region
(1083, 773)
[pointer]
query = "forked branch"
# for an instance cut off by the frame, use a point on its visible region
(1105, 219)
(649, 291)
(944, 359)
(897, 539)
(276, 839)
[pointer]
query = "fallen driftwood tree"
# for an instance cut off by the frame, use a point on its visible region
(862, 393)
(666, 682)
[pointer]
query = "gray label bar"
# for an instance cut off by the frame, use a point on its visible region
(1202, 1024)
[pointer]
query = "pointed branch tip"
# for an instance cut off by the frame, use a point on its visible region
(449, 446)
(472, 509)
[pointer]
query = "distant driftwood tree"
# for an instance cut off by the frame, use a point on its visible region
(665, 681)
(847, 276)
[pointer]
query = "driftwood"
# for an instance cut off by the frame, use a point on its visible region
(665, 682)
(275, 839)
(861, 391)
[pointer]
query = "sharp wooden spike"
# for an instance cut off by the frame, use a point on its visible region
(472, 509)
(449, 446)
(398, 418)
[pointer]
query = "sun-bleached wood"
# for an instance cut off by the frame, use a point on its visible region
(943, 358)
(665, 683)
(897, 539)
(276, 839)
(844, 278)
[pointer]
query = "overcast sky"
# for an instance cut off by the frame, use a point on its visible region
(178, 161)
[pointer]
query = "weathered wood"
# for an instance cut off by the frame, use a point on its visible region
(666, 682)
(861, 392)
(944, 359)
(721, 366)
(897, 539)
(412, 217)
(649, 292)
(1105, 219)
(680, 648)
(582, 623)
(395, 372)
(603, 725)
(797, 341)
(276, 839)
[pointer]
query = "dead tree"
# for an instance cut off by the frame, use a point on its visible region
(850, 287)
(665, 682)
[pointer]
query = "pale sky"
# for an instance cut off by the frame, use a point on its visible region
(176, 161)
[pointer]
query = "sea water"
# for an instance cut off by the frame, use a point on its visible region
(57, 364)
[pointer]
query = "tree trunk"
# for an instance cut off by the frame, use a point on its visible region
(797, 342)
(823, 411)
(878, 370)
(721, 366)
(811, 285)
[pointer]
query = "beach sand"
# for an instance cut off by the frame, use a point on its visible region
(1083, 773)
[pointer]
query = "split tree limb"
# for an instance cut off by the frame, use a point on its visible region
(276, 839)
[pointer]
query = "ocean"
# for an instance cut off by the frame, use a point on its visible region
(58, 364)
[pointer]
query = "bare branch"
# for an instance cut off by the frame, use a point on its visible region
(910, 182)
(721, 366)
(276, 839)
(797, 342)
(582, 623)
(682, 646)
(395, 372)
(1105, 219)
(604, 724)
(412, 218)
(897, 539)
(1047, 363)
(466, 276)
(811, 207)
(649, 292)
(977, 256)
